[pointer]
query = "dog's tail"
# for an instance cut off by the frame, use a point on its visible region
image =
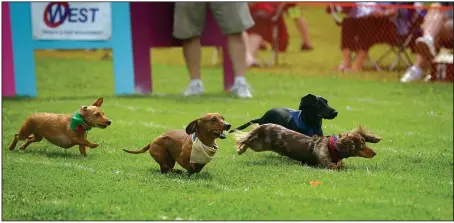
(242, 137)
(245, 125)
(146, 148)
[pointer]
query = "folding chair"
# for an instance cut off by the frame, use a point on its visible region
(403, 42)
(336, 13)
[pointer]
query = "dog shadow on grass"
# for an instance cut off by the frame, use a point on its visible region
(182, 174)
(58, 154)
(277, 160)
(271, 160)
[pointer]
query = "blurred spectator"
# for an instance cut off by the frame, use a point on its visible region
(263, 13)
(438, 30)
(303, 30)
(362, 9)
(233, 18)
(377, 20)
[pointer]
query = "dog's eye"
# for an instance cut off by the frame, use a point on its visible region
(97, 114)
(213, 119)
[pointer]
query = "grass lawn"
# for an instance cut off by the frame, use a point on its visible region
(411, 178)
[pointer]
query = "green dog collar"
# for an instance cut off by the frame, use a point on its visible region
(78, 123)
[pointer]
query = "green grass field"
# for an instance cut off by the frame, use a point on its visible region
(411, 178)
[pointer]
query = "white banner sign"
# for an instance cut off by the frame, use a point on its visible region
(71, 20)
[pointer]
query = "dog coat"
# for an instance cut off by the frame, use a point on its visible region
(303, 127)
(201, 153)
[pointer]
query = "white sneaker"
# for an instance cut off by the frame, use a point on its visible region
(241, 90)
(425, 46)
(194, 89)
(412, 74)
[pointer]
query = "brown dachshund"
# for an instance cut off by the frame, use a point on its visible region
(64, 130)
(321, 151)
(192, 149)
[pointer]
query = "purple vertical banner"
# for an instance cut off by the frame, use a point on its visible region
(8, 82)
(152, 26)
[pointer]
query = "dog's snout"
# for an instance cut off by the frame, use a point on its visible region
(227, 126)
(331, 114)
(374, 153)
(108, 122)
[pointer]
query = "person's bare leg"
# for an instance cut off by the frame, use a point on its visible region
(421, 62)
(249, 55)
(303, 30)
(359, 61)
(246, 42)
(237, 53)
(347, 60)
(253, 43)
(192, 55)
(433, 21)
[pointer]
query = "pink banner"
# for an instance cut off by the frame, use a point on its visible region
(152, 26)
(8, 83)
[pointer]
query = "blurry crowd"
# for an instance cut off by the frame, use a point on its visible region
(422, 28)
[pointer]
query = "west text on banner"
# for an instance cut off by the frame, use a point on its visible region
(71, 20)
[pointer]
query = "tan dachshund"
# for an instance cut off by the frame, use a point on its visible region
(323, 151)
(192, 149)
(64, 130)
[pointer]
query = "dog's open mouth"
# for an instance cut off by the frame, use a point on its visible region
(218, 133)
(102, 126)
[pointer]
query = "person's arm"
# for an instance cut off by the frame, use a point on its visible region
(389, 12)
(385, 12)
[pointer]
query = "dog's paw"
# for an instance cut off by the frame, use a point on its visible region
(333, 166)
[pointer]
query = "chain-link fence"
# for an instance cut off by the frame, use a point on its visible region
(413, 35)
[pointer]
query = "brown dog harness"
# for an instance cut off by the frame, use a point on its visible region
(201, 153)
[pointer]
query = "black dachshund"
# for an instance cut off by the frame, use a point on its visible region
(306, 120)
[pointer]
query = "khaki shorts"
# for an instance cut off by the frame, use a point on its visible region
(189, 18)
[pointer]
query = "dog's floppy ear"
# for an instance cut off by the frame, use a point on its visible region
(83, 109)
(192, 127)
(345, 143)
(309, 99)
(98, 102)
(368, 136)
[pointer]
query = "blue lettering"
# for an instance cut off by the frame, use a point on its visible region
(75, 14)
(72, 15)
(59, 11)
(83, 15)
(94, 10)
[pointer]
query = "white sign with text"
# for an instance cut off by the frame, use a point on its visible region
(71, 20)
